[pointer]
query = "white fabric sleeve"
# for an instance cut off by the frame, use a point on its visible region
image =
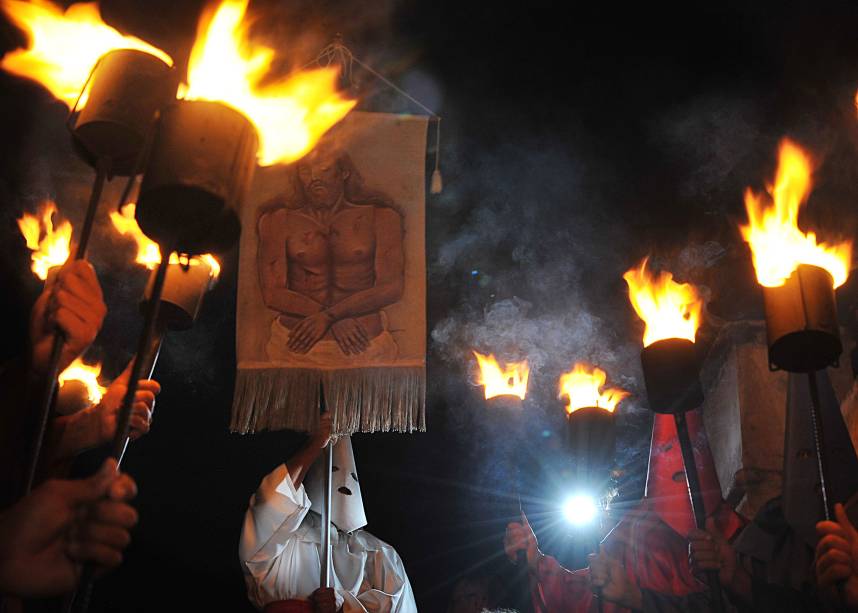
(275, 512)
(391, 590)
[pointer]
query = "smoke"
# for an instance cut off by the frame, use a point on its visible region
(711, 138)
(527, 252)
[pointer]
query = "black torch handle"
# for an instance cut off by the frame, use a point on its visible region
(46, 398)
(149, 365)
(328, 463)
(697, 504)
(150, 326)
(80, 603)
(521, 554)
(102, 168)
(819, 444)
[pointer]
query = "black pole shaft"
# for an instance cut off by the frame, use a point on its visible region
(328, 459)
(102, 167)
(46, 399)
(149, 365)
(819, 443)
(80, 603)
(521, 554)
(44, 411)
(697, 504)
(150, 326)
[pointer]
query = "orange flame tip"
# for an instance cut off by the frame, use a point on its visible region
(511, 380)
(50, 246)
(669, 309)
(64, 46)
(290, 114)
(148, 252)
(583, 387)
(777, 244)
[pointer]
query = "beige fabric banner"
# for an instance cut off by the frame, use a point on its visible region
(332, 284)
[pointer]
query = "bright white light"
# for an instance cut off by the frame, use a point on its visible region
(580, 509)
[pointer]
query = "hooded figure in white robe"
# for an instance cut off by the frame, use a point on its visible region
(281, 544)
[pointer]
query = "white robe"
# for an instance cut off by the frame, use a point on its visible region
(280, 551)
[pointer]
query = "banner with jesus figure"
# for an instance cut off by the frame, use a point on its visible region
(332, 284)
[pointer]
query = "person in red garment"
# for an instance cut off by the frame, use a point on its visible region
(642, 564)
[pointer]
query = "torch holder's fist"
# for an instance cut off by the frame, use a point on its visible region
(836, 564)
(519, 537)
(71, 302)
(322, 436)
(708, 551)
(608, 580)
(107, 410)
(324, 600)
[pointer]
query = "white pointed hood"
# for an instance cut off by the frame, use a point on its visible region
(347, 512)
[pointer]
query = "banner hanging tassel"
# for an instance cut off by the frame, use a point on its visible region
(436, 184)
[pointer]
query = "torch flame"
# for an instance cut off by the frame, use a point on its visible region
(777, 244)
(508, 381)
(669, 309)
(64, 46)
(50, 246)
(148, 252)
(290, 114)
(88, 375)
(582, 386)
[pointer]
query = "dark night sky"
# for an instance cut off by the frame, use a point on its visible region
(575, 141)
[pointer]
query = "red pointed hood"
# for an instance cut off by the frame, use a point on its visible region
(666, 488)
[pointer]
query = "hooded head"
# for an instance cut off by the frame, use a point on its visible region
(347, 512)
(666, 487)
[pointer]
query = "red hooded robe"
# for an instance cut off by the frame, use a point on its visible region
(650, 541)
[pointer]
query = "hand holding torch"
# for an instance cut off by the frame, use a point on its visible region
(197, 174)
(125, 92)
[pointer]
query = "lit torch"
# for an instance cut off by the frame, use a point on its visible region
(188, 278)
(798, 276)
(186, 283)
(505, 387)
(233, 111)
(117, 82)
(591, 431)
(671, 312)
(115, 86)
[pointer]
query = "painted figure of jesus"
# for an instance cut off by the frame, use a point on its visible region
(330, 259)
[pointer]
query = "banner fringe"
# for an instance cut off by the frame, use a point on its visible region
(361, 399)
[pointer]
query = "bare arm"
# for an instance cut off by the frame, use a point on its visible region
(389, 271)
(300, 463)
(273, 267)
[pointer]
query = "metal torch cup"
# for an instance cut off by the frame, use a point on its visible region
(507, 404)
(127, 88)
(200, 168)
(185, 287)
(801, 322)
(671, 377)
(591, 438)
